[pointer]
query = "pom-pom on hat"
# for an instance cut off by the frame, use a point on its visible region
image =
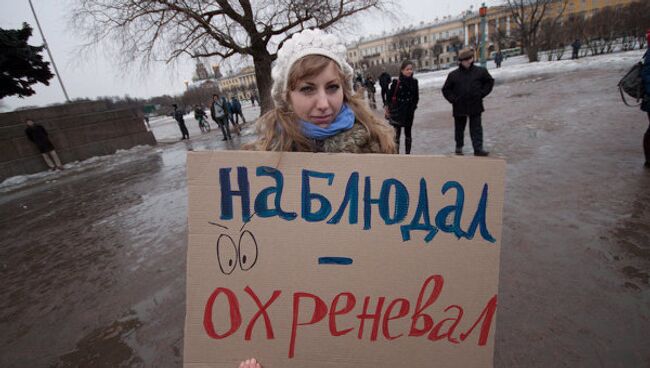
(301, 44)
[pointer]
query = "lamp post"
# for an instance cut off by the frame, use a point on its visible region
(483, 39)
(47, 48)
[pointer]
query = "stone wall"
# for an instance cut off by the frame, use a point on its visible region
(77, 130)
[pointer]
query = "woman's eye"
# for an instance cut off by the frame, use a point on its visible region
(247, 251)
(227, 254)
(307, 89)
(333, 87)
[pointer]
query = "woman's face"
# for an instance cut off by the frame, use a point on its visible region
(319, 99)
(408, 71)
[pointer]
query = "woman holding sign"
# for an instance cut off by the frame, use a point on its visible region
(315, 108)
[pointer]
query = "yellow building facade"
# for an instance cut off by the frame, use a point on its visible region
(390, 49)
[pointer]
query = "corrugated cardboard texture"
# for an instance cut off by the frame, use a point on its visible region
(386, 271)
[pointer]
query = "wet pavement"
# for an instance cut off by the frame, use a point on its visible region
(93, 259)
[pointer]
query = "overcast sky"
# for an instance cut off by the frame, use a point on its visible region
(95, 75)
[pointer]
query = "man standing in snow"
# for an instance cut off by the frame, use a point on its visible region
(384, 82)
(576, 49)
(38, 135)
(218, 113)
(645, 105)
(465, 89)
(178, 115)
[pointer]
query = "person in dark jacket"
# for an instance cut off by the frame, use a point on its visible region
(235, 105)
(498, 58)
(370, 89)
(403, 98)
(229, 116)
(219, 115)
(384, 83)
(465, 89)
(576, 49)
(645, 105)
(38, 135)
(178, 115)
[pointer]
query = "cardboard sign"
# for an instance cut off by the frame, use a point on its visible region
(340, 260)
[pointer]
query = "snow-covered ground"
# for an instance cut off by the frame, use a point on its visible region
(518, 67)
(166, 130)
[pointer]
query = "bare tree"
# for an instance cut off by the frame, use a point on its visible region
(404, 45)
(528, 16)
(500, 38)
(417, 53)
(153, 30)
(437, 50)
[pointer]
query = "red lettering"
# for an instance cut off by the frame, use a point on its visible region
(419, 307)
(261, 312)
(320, 310)
(486, 316)
(375, 317)
(235, 314)
(435, 332)
(350, 301)
(403, 311)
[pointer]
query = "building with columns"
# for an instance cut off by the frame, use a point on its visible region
(433, 45)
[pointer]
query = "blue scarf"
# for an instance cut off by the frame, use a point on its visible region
(344, 121)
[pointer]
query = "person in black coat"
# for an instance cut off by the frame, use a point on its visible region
(384, 83)
(465, 88)
(645, 105)
(178, 116)
(38, 135)
(403, 98)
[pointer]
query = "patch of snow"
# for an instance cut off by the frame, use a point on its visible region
(518, 67)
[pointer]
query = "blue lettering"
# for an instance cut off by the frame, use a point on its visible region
(401, 201)
(308, 197)
(421, 220)
(262, 200)
(479, 219)
(227, 193)
(457, 210)
(351, 198)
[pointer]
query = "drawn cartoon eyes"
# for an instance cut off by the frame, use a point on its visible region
(247, 251)
(244, 254)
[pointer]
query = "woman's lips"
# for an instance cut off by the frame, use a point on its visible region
(325, 119)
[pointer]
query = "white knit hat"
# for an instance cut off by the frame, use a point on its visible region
(301, 44)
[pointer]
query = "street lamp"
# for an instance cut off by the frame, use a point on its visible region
(483, 39)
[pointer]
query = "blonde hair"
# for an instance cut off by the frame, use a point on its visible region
(278, 129)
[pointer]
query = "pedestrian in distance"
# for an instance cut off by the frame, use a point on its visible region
(37, 134)
(498, 59)
(465, 88)
(218, 114)
(645, 105)
(576, 45)
(384, 83)
(370, 89)
(252, 99)
(236, 110)
(229, 117)
(404, 95)
(178, 115)
(200, 117)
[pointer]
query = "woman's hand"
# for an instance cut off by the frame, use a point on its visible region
(250, 363)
